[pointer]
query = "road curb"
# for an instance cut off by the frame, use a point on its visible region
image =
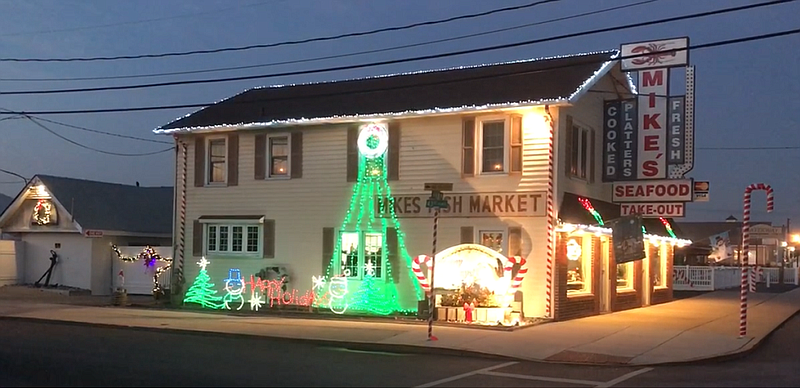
(362, 346)
(411, 349)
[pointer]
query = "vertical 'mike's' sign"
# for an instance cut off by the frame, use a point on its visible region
(653, 92)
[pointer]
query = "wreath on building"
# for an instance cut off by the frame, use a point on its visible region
(42, 212)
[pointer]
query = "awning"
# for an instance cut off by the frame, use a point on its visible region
(572, 211)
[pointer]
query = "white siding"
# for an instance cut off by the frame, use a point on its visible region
(430, 151)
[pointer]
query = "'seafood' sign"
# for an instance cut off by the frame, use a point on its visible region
(668, 190)
(653, 210)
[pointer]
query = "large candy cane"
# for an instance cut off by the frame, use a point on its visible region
(517, 281)
(746, 250)
(421, 278)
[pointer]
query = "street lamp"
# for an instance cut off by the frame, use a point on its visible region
(796, 238)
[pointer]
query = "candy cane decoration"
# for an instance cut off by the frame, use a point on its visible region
(421, 278)
(178, 273)
(746, 267)
(517, 281)
(548, 303)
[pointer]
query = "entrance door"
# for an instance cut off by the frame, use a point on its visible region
(647, 285)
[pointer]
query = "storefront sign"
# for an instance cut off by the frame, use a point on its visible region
(672, 190)
(653, 210)
(611, 132)
(629, 141)
(626, 233)
(676, 146)
(652, 115)
(701, 191)
(513, 204)
(655, 54)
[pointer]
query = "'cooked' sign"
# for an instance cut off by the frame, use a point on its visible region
(520, 204)
(670, 190)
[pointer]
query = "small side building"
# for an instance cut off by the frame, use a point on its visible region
(79, 220)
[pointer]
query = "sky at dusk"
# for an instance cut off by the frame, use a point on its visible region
(747, 95)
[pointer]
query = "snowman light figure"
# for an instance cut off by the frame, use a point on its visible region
(338, 289)
(234, 286)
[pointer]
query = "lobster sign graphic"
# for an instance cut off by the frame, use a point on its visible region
(662, 53)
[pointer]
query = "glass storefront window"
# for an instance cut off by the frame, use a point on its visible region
(579, 265)
(658, 264)
(625, 276)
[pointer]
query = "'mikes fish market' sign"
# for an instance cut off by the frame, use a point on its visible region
(509, 204)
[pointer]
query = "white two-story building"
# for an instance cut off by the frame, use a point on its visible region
(325, 183)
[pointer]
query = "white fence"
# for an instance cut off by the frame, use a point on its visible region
(138, 276)
(11, 264)
(702, 278)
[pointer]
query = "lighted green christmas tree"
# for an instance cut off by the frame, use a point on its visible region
(371, 194)
(371, 298)
(202, 290)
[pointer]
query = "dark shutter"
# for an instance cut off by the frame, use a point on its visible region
(591, 155)
(327, 249)
(352, 154)
(570, 168)
(468, 148)
(515, 241)
(269, 239)
(393, 254)
(260, 160)
(393, 154)
(197, 239)
(296, 169)
(199, 161)
(233, 159)
(516, 144)
(467, 235)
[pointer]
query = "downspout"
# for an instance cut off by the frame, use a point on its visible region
(551, 237)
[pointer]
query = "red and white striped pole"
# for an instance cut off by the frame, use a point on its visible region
(746, 250)
(432, 300)
(551, 219)
(178, 267)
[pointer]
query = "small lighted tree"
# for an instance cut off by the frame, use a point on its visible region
(371, 298)
(202, 290)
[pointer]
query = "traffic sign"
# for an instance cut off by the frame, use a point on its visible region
(438, 187)
(433, 203)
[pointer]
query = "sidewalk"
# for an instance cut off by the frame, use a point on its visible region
(682, 331)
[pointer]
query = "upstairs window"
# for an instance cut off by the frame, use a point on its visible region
(492, 145)
(580, 151)
(278, 156)
(217, 156)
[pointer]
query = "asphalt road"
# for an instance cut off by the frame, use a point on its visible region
(37, 353)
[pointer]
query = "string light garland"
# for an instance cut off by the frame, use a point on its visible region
(667, 226)
(588, 206)
(150, 257)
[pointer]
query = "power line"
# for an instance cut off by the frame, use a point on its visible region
(102, 132)
(285, 43)
(441, 82)
(396, 61)
(92, 148)
(336, 56)
(60, 30)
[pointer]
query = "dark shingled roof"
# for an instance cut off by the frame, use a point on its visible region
(571, 211)
(513, 82)
(112, 206)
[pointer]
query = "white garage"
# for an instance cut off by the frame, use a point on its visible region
(79, 220)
